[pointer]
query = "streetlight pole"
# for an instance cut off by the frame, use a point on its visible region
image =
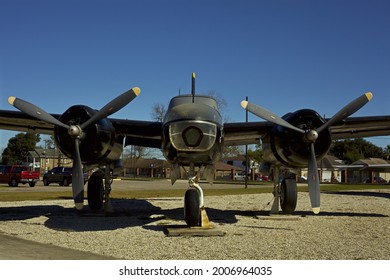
(246, 150)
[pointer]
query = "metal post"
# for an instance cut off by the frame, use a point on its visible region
(246, 151)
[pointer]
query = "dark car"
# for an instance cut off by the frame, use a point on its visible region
(379, 180)
(61, 176)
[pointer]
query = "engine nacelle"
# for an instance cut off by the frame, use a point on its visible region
(100, 143)
(290, 147)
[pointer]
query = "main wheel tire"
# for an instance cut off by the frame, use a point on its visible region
(65, 182)
(289, 197)
(191, 208)
(45, 182)
(14, 183)
(95, 192)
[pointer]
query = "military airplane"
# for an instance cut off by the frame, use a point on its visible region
(192, 135)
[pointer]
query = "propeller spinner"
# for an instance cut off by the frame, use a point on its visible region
(310, 137)
(76, 132)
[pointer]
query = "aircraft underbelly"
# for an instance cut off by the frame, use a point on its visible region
(196, 158)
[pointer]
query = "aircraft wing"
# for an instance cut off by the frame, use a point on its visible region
(139, 133)
(353, 127)
(18, 121)
(148, 133)
(245, 133)
(361, 127)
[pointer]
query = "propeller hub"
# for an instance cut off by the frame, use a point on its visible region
(311, 136)
(75, 131)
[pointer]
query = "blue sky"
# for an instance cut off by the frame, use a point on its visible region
(283, 55)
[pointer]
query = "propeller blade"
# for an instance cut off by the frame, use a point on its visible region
(347, 110)
(113, 106)
(77, 177)
(267, 115)
(34, 111)
(313, 181)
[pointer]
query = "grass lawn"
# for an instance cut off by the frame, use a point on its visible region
(17, 195)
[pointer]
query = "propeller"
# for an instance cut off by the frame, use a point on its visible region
(76, 132)
(34, 111)
(311, 137)
(313, 181)
(268, 115)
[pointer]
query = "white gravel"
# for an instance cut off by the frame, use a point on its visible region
(352, 225)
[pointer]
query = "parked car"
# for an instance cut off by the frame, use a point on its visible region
(264, 178)
(15, 174)
(376, 180)
(379, 180)
(239, 176)
(302, 179)
(60, 175)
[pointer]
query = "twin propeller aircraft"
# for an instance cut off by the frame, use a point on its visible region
(193, 135)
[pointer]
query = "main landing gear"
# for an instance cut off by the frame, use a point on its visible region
(194, 211)
(285, 194)
(99, 192)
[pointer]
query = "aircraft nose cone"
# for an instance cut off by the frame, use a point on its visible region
(75, 131)
(311, 136)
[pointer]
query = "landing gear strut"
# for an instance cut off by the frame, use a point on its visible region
(97, 192)
(194, 211)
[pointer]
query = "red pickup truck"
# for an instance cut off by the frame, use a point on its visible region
(15, 174)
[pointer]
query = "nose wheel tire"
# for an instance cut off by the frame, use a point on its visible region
(192, 208)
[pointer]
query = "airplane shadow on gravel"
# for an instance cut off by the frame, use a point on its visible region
(134, 213)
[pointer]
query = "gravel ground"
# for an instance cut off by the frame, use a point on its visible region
(352, 225)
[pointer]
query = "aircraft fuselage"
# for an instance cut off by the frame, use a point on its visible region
(192, 131)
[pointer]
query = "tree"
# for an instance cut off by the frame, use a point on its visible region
(221, 103)
(256, 155)
(19, 146)
(232, 151)
(387, 152)
(158, 112)
(351, 150)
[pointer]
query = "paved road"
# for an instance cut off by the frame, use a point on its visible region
(13, 248)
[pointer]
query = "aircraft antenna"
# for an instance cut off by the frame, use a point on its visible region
(193, 87)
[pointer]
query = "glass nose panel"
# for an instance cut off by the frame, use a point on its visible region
(192, 135)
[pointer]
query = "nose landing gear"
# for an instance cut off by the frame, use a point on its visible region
(194, 211)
